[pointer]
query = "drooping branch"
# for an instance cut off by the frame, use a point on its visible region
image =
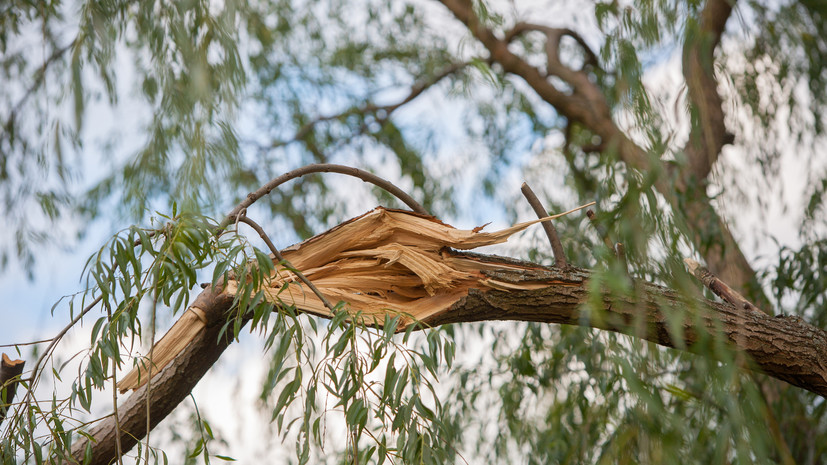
(382, 111)
(39, 78)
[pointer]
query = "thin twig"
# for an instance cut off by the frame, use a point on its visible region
(31, 343)
(321, 168)
(551, 231)
(115, 399)
(56, 339)
(40, 77)
(246, 220)
(416, 90)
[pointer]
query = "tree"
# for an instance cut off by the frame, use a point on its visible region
(541, 92)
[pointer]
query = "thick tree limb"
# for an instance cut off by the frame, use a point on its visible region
(394, 262)
(788, 349)
(708, 135)
(706, 140)
(588, 106)
(785, 348)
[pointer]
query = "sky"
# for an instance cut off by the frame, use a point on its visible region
(27, 303)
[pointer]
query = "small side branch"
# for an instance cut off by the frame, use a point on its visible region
(551, 231)
(720, 288)
(382, 112)
(244, 219)
(620, 250)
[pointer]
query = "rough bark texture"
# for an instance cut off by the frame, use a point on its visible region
(785, 348)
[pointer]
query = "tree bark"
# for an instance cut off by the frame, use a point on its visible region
(785, 348)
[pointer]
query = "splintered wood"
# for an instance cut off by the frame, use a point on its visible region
(385, 262)
(388, 262)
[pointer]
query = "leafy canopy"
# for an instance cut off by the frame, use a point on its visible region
(216, 98)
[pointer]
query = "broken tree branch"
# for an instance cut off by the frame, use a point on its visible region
(392, 262)
(273, 250)
(10, 371)
(589, 107)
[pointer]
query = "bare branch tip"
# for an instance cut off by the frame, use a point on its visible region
(551, 231)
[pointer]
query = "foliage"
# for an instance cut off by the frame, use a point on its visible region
(225, 95)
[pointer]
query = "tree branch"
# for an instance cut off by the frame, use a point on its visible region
(708, 135)
(416, 90)
(588, 107)
(169, 387)
(398, 263)
(39, 77)
(321, 168)
(785, 348)
(788, 349)
(551, 231)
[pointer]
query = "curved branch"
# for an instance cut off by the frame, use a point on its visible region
(321, 168)
(587, 105)
(553, 37)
